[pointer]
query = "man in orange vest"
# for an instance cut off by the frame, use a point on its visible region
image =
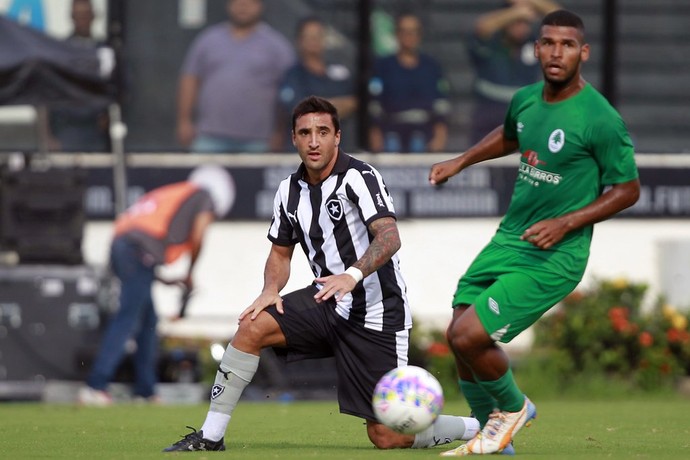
(160, 227)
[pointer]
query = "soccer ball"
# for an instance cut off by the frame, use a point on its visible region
(408, 399)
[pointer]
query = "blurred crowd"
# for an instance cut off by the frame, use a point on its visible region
(240, 78)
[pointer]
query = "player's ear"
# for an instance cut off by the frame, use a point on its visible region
(584, 53)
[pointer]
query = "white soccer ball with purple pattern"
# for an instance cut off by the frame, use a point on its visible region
(408, 399)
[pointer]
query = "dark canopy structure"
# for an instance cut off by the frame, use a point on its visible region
(38, 70)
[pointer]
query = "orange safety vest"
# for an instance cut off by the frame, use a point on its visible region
(153, 212)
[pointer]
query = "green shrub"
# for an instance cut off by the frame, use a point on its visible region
(597, 341)
(604, 332)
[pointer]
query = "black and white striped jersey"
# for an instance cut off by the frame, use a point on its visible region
(329, 220)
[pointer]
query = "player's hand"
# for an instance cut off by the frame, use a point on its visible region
(441, 172)
(334, 286)
(544, 234)
(265, 300)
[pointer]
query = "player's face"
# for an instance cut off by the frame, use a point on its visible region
(561, 52)
(317, 144)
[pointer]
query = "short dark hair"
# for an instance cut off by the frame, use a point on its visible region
(564, 18)
(315, 104)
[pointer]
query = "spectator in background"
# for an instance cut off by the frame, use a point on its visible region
(229, 82)
(501, 49)
(80, 128)
(160, 227)
(312, 75)
(409, 96)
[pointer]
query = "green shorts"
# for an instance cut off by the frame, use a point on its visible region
(511, 289)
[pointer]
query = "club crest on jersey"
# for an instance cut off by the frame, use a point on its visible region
(334, 208)
(556, 141)
(217, 390)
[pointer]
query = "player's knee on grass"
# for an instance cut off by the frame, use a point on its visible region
(383, 437)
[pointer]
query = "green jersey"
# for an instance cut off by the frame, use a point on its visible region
(570, 150)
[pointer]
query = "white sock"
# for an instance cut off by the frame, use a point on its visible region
(214, 426)
(446, 428)
(235, 371)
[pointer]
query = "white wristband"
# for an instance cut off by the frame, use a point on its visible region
(356, 273)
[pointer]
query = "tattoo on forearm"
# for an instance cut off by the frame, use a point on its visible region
(386, 243)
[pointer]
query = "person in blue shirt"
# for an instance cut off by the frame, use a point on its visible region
(501, 49)
(312, 75)
(409, 104)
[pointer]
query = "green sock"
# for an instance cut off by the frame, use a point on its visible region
(508, 396)
(481, 402)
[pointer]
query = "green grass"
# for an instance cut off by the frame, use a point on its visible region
(651, 428)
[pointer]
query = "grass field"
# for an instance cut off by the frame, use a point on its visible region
(652, 428)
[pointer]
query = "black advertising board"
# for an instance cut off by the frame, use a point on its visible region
(480, 191)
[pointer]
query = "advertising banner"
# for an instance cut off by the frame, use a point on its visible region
(480, 191)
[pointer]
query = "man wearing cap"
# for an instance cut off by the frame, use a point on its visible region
(157, 229)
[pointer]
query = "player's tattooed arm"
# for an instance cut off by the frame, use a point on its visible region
(386, 243)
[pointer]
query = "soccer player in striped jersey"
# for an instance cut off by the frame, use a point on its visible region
(338, 210)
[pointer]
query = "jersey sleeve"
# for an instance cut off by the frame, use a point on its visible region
(367, 189)
(613, 150)
(281, 231)
(510, 121)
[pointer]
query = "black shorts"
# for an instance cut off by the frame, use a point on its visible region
(362, 355)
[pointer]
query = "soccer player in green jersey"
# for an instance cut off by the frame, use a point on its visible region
(576, 168)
